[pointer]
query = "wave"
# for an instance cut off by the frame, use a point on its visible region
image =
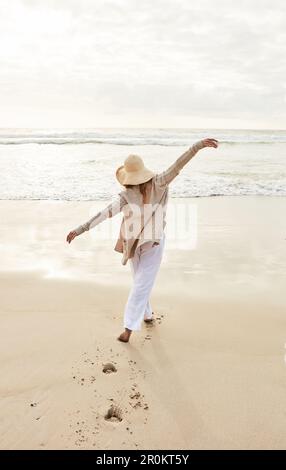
(193, 189)
(128, 142)
(131, 137)
(175, 196)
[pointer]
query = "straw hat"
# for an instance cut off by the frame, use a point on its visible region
(133, 171)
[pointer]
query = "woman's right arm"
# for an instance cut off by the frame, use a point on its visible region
(168, 175)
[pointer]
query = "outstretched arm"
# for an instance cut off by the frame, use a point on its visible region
(110, 211)
(168, 175)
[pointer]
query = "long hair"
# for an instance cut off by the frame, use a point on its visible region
(142, 188)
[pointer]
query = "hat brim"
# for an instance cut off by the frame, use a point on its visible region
(134, 177)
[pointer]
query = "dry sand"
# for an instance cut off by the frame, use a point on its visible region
(210, 373)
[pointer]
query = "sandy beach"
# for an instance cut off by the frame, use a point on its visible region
(209, 374)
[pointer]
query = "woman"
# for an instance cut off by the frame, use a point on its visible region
(143, 203)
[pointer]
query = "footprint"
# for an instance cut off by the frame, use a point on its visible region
(159, 318)
(109, 368)
(113, 414)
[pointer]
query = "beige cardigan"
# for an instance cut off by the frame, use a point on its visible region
(142, 222)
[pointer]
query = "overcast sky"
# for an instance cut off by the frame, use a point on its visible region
(143, 63)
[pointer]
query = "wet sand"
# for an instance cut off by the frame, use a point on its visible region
(210, 372)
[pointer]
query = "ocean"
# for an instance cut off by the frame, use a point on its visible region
(80, 164)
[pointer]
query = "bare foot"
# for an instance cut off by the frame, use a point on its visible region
(149, 320)
(124, 337)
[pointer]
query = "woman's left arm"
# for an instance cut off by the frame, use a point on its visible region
(110, 211)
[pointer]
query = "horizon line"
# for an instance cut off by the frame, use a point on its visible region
(148, 128)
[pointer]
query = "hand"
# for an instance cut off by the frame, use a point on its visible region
(71, 236)
(209, 143)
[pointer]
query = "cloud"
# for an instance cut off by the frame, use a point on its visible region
(134, 59)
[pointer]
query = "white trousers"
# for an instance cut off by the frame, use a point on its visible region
(144, 266)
